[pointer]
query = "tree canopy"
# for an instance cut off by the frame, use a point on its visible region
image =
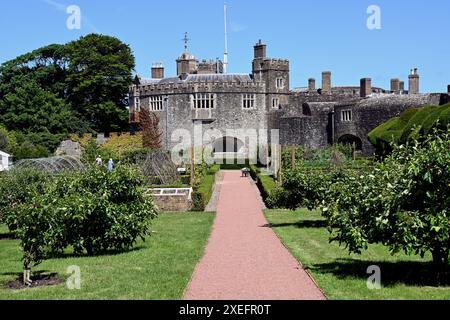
(78, 87)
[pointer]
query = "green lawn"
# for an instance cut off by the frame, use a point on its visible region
(343, 276)
(207, 183)
(159, 268)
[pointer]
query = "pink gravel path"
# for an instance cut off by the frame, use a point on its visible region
(244, 259)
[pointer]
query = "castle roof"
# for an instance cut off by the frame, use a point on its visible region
(218, 78)
(395, 100)
(193, 78)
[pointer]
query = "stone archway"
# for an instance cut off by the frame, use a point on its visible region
(228, 145)
(229, 148)
(350, 139)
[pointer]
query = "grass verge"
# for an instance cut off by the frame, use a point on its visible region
(159, 268)
(344, 276)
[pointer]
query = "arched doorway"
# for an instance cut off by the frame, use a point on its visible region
(352, 140)
(229, 148)
(228, 145)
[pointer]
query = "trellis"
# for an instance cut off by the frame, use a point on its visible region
(159, 168)
(52, 165)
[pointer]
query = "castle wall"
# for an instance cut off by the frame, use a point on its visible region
(228, 113)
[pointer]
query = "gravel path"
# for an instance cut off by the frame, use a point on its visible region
(244, 259)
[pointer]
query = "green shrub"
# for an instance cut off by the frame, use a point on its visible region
(403, 204)
(109, 209)
(93, 211)
(17, 187)
(136, 157)
(92, 149)
(198, 201)
(267, 186)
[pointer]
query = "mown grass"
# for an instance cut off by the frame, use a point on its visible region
(159, 268)
(344, 276)
(207, 183)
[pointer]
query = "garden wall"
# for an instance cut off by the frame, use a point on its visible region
(172, 200)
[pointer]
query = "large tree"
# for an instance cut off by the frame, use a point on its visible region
(74, 88)
(99, 76)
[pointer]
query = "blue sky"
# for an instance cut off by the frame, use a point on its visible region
(314, 36)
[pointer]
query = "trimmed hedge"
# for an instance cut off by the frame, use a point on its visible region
(412, 124)
(266, 184)
(203, 188)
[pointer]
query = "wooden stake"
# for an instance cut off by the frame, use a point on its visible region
(192, 165)
(293, 165)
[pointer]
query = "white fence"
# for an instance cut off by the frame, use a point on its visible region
(167, 192)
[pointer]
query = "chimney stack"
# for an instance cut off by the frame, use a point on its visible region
(312, 84)
(260, 50)
(157, 71)
(402, 87)
(326, 82)
(395, 86)
(414, 80)
(366, 87)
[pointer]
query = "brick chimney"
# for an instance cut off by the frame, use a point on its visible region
(312, 84)
(157, 71)
(326, 82)
(395, 86)
(414, 80)
(366, 87)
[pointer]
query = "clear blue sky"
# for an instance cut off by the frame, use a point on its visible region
(313, 35)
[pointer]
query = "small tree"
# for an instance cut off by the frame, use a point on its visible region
(404, 204)
(93, 211)
(149, 124)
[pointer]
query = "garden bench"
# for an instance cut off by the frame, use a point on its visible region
(245, 172)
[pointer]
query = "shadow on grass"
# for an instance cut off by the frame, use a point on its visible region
(112, 252)
(306, 224)
(8, 236)
(40, 278)
(392, 273)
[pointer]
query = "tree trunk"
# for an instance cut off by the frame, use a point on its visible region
(26, 272)
(440, 263)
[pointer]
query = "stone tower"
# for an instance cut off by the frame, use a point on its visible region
(274, 73)
(414, 82)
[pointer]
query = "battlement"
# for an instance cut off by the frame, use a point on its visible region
(279, 64)
(198, 83)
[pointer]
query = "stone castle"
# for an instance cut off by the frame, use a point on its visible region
(310, 117)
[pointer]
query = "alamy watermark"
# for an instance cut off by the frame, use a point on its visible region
(73, 282)
(374, 19)
(374, 280)
(213, 146)
(74, 20)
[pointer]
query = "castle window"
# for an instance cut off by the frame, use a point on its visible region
(346, 115)
(276, 103)
(203, 100)
(280, 83)
(137, 104)
(156, 103)
(248, 101)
